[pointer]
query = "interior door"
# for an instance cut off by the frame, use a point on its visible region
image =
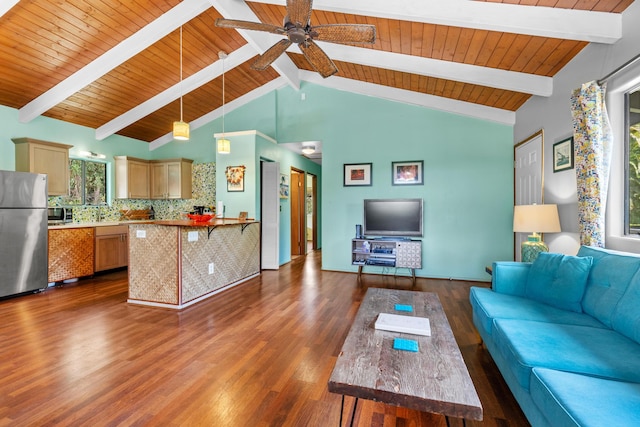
(270, 215)
(298, 214)
(528, 176)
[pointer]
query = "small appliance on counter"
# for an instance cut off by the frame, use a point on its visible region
(59, 215)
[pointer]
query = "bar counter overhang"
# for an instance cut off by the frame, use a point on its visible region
(175, 264)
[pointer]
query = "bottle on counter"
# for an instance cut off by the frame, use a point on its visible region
(152, 213)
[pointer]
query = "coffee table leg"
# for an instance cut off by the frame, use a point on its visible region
(353, 413)
(464, 421)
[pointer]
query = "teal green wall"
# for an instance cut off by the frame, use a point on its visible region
(249, 150)
(468, 175)
(82, 138)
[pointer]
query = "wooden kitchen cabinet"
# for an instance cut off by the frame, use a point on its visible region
(171, 179)
(112, 247)
(50, 158)
(71, 253)
(132, 178)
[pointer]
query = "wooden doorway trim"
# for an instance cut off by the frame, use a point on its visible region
(297, 190)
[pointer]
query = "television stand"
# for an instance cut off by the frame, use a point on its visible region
(387, 252)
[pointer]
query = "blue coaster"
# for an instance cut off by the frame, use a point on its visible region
(405, 344)
(403, 307)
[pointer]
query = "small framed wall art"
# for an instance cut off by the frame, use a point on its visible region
(284, 186)
(563, 155)
(235, 178)
(357, 174)
(407, 173)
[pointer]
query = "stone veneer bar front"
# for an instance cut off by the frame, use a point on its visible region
(175, 264)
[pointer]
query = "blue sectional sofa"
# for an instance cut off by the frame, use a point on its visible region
(565, 333)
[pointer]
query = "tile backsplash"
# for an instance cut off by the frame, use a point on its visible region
(204, 194)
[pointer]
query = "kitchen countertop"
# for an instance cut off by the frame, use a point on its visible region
(96, 224)
(177, 222)
(211, 223)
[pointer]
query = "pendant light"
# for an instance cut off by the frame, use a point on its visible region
(224, 145)
(181, 128)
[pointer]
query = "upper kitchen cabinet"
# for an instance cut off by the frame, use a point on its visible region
(45, 157)
(171, 179)
(132, 178)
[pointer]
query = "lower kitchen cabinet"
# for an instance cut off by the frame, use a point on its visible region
(112, 248)
(71, 253)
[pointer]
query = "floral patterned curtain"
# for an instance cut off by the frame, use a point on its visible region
(593, 141)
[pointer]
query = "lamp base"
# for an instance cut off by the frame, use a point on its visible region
(532, 247)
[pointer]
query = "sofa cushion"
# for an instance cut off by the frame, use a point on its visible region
(558, 280)
(626, 317)
(488, 305)
(609, 277)
(569, 399)
(605, 353)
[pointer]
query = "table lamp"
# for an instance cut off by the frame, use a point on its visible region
(535, 219)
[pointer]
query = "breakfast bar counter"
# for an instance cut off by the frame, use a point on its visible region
(177, 263)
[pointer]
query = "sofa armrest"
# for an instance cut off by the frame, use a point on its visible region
(510, 277)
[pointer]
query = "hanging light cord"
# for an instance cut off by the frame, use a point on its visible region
(181, 73)
(222, 97)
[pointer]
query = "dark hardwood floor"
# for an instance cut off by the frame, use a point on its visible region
(259, 354)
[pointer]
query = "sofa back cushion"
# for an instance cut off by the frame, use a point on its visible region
(626, 317)
(558, 280)
(608, 280)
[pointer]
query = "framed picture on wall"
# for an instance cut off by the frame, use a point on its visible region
(357, 174)
(235, 178)
(284, 186)
(563, 155)
(407, 173)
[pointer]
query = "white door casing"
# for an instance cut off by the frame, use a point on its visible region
(270, 215)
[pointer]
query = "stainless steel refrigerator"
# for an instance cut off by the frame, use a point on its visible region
(23, 232)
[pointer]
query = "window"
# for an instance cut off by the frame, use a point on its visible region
(87, 182)
(632, 143)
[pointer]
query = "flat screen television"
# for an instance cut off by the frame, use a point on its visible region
(392, 217)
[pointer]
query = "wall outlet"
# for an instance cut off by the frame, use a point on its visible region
(192, 236)
(141, 234)
(211, 269)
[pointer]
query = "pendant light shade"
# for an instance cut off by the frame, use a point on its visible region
(224, 145)
(181, 130)
(180, 127)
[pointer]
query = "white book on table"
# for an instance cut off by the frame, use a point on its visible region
(407, 324)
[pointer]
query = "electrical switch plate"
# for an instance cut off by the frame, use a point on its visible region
(211, 270)
(141, 234)
(192, 236)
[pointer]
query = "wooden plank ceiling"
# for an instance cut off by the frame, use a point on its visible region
(47, 45)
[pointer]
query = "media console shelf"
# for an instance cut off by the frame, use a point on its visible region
(387, 253)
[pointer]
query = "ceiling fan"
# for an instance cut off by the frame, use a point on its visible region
(298, 29)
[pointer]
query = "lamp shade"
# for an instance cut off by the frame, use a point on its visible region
(536, 218)
(181, 130)
(224, 146)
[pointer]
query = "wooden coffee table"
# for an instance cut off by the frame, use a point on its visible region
(435, 379)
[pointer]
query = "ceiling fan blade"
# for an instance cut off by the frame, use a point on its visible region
(318, 59)
(299, 11)
(248, 25)
(344, 33)
(271, 55)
